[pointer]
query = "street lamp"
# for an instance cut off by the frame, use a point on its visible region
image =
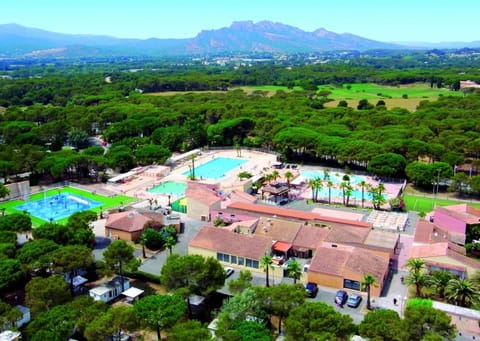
(403, 301)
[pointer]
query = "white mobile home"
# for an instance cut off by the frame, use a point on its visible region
(109, 290)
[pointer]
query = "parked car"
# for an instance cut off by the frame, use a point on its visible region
(311, 289)
(341, 297)
(354, 300)
(229, 271)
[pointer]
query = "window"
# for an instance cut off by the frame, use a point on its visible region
(240, 260)
(233, 259)
(223, 257)
(248, 263)
(255, 264)
(349, 284)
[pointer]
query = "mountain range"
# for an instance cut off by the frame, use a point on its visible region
(17, 41)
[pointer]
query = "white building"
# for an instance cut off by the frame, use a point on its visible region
(109, 290)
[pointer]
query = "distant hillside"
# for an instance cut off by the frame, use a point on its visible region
(244, 36)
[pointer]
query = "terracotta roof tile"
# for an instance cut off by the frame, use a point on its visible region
(243, 196)
(293, 214)
(428, 250)
(460, 212)
(278, 229)
(363, 262)
(218, 239)
(382, 239)
(335, 261)
(310, 237)
(464, 259)
(347, 234)
(205, 193)
(129, 221)
(329, 260)
(427, 232)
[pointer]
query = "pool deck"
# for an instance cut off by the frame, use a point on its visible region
(258, 163)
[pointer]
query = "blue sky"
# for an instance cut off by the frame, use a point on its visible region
(384, 20)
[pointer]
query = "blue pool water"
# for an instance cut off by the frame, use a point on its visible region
(216, 168)
(337, 179)
(56, 207)
(170, 187)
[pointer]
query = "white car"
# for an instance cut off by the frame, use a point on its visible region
(229, 271)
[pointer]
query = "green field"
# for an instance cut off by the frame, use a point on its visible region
(352, 93)
(107, 202)
(427, 204)
(375, 91)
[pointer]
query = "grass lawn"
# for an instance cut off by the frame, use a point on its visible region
(427, 204)
(391, 95)
(107, 202)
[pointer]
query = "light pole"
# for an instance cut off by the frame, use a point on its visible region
(403, 300)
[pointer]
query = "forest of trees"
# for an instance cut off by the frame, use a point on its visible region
(43, 114)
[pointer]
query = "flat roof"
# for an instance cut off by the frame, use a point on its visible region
(133, 292)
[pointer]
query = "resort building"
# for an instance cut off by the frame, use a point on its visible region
(129, 225)
(432, 245)
(242, 251)
(457, 220)
(334, 252)
(201, 198)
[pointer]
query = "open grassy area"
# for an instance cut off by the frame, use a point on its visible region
(107, 202)
(391, 95)
(352, 93)
(427, 204)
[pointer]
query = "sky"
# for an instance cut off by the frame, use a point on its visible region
(382, 20)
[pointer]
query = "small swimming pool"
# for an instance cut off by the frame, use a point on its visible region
(56, 207)
(170, 188)
(216, 168)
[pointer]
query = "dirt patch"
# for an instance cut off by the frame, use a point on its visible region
(410, 104)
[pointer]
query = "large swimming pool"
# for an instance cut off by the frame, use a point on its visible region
(56, 207)
(216, 168)
(170, 188)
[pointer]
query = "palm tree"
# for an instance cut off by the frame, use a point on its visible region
(316, 186)
(348, 192)
(268, 177)
(462, 292)
(343, 187)
(329, 185)
(363, 184)
(289, 176)
(369, 280)
(275, 175)
(439, 280)
(266, 264)
(415, 265)
(170, 242)
(416, 276)
(142, 241)
(294, 270)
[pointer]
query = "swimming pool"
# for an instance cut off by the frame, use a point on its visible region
(336, 178)
(56, 207)
(170, 188)
(216, 168)
(335, 191)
